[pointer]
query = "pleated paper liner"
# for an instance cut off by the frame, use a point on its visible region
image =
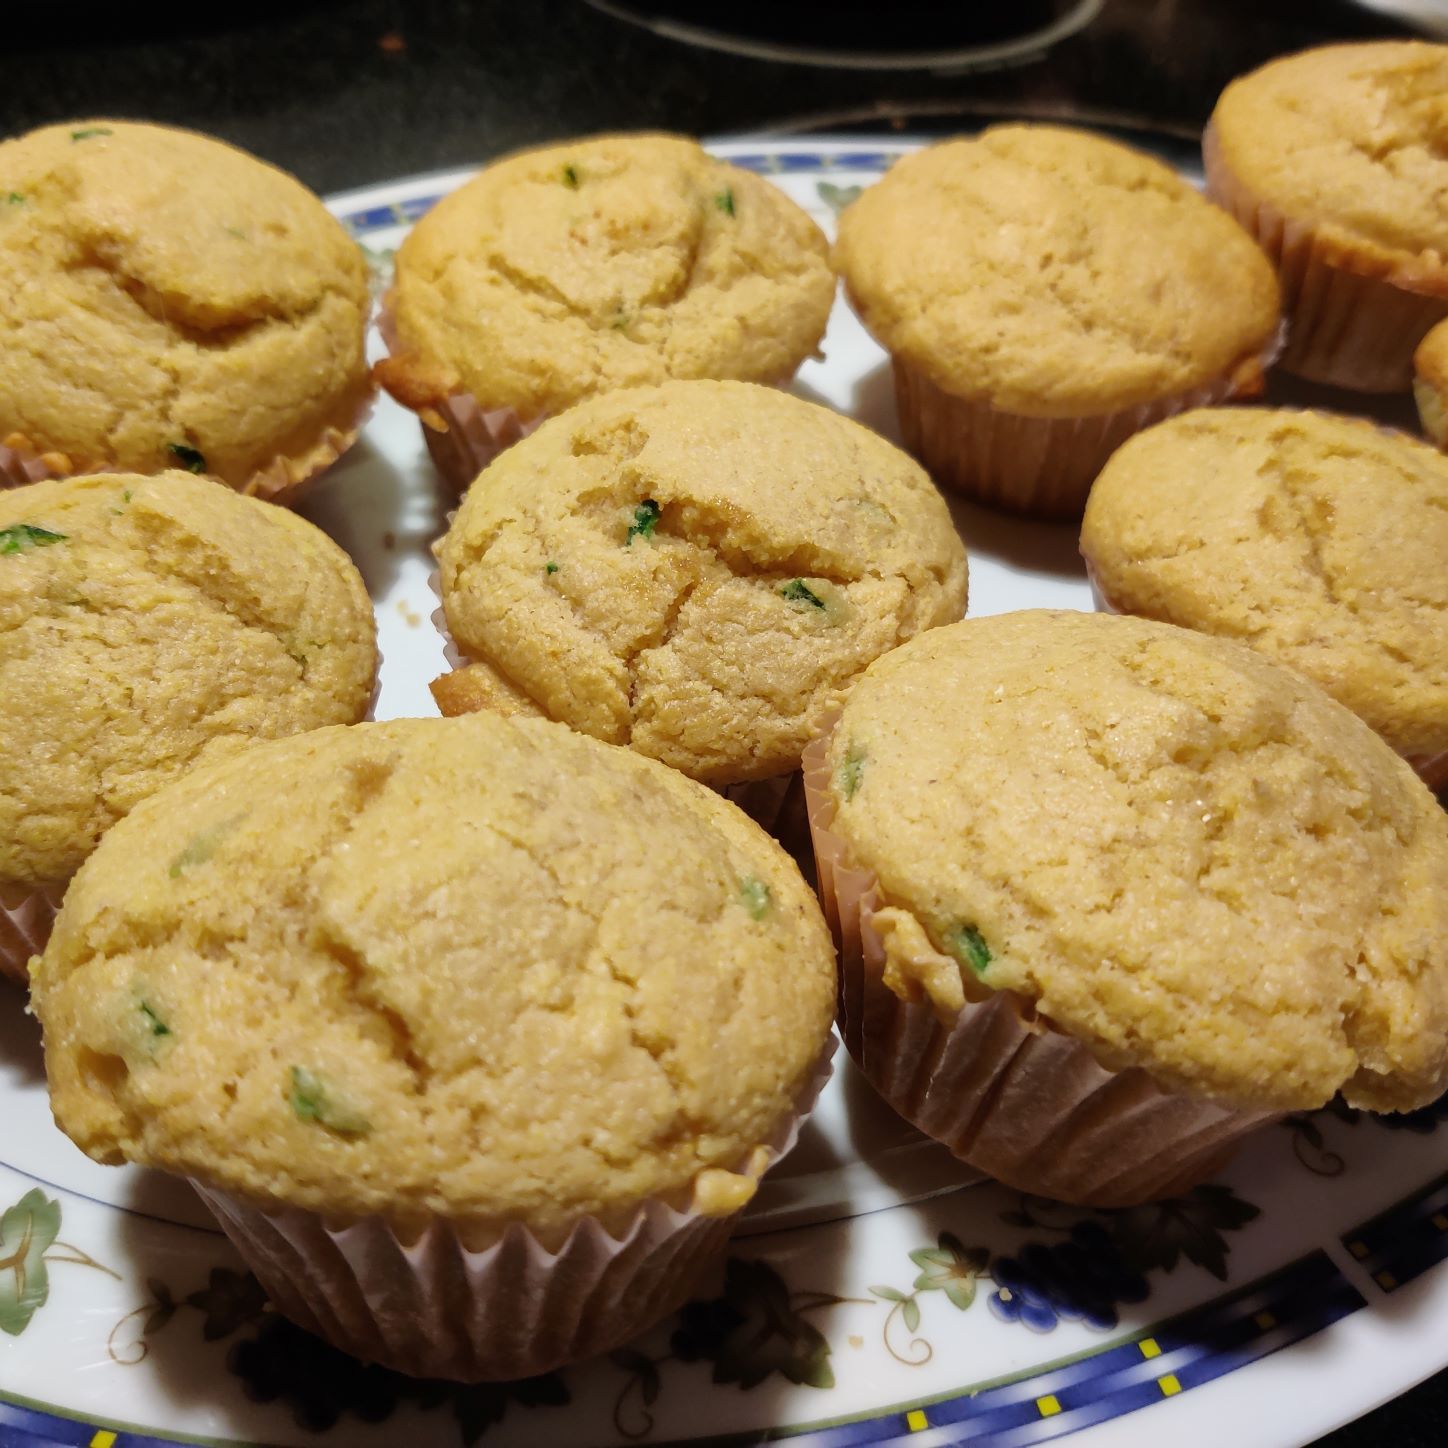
(1432, 769)
(1344, 328)
(26, 917)
(1039, 466)
(434, 1308)
(1003, 1089)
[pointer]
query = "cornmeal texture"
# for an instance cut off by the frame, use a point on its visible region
(146, 623)
(486, 969)
(1052, 273)
(168, 301)
(1352, 141)
(1320, 540)
(1430, 383)
(1183, 855)
(604, 263)
(698, 570)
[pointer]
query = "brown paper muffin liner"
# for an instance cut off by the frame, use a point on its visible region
(1000, 1086)
(281, 481)
(473, 435)
(1432, 769)
(1344, 329)
(26, 917)
(284, 480)
(434, 1308)
(1040, 466)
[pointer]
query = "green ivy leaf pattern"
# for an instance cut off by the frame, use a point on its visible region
(951, 1268)
(480, 1406)
(753, 1331)
(757, 1329)
(837, 197)
(26, 1231)
(1154, 1236)
(229, 1301)
(161, 1308)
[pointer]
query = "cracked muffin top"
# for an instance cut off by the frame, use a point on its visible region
(1320, 540)
(698, 570)
(1052, 273)
(146, 624)
(1351, 140)
(486, 969)
(167, 300)
(1185, 856)
(608, 262)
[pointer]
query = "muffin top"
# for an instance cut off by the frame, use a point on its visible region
(481, 968)
(601, 263)
(1430, 383)
(146, 623)
(1351, 140)
(1052, 273)
(697, 570)
(1320, 540)
(1189, 858)
(167, 300)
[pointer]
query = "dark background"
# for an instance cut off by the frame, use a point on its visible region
(356, 91)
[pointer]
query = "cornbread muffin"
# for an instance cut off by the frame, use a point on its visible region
(605, 262)
(145, 625)
(1122, 891)
(1320, 540)
(167, 301)
(1336, 160)
(1430, 384)
(1043, 293)
(698, 570)
(460, 976)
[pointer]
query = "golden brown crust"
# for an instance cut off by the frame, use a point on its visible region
(1319, 540)
(1189, 858)
(150, 624)
(476, 687)
(485, 969)
(166, 297)
(698, 570)
(1430, 384)
(1350, 141)
(605, 262)
(1052, 273)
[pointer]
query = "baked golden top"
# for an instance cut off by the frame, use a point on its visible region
(145, 624)
(1052, 273)
(1352, 141)
(1320, 540)
(486, 969)
(699, 570)
(167, 300)
(1430, 383)
(1182, 854)
(605, 262)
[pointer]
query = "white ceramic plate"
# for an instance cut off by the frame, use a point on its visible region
(873, 1295)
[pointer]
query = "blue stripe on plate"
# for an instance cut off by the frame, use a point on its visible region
(1405, 1241)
